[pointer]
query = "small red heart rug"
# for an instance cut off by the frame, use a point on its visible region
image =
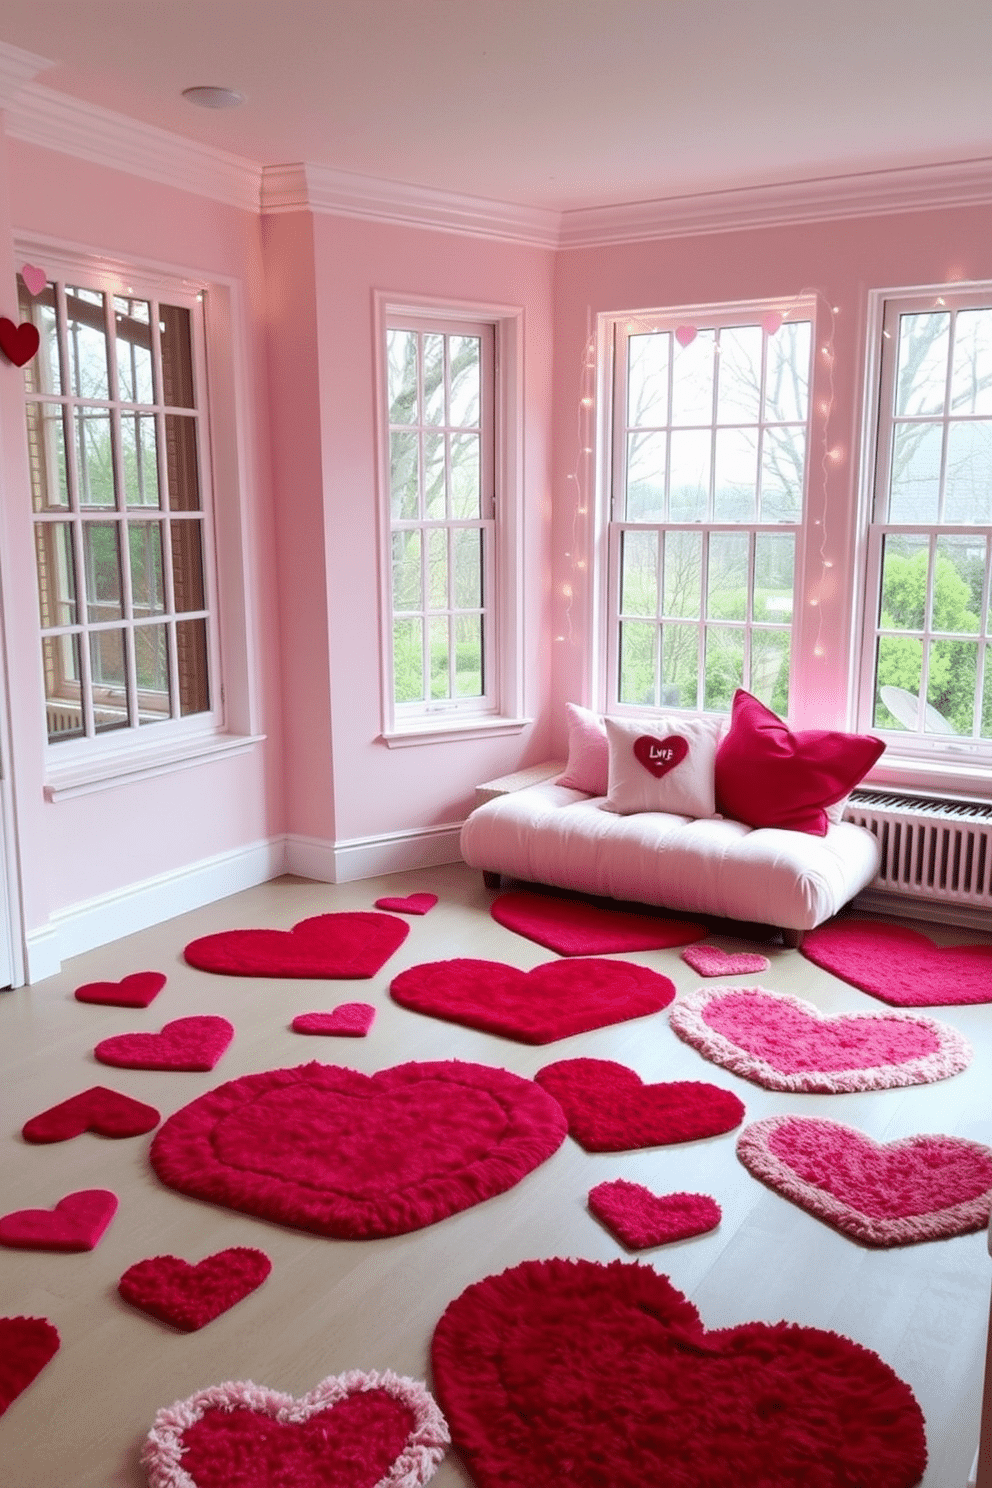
(354, 1430)
(610, 1109)
(334, 946)
(784, 1043)
(658, 756)
(136, 990)
(574, 927)
(640, 1219)
(899, 965)
(710, 961)
(189, 1296)
(549, 1002)
(184, 1044)
(567, 1372)
(893, 1193)
(356, 1156)
(415, 904)
(18, 342)
(26, 1346)
(347, 1020)
(76, 1223)
(105, 1112)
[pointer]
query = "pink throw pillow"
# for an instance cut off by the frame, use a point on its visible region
(767, 776)
(588, 765)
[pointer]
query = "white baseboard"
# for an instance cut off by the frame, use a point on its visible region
(368, 857)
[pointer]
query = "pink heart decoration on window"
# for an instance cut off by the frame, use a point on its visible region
(76, 1223)
(660, 755)
(685, 334)
(18, 342)
(34, 278)
(136, 990)
(771, 322)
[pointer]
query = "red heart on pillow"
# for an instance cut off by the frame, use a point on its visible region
(640, 1219)
(353, 944)
(18, 342)
(136, 990)
(610, 1109)
(76, 1223)
(416, 904)
(189, 1296)
(183, 1044)
(660, 755)
(26, 1345)
(105, 1112)
(348, 1020)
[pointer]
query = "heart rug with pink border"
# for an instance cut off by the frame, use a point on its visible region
(899, 965)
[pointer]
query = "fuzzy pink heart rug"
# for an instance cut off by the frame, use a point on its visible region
(347, 1020)
(899, 965)
(640, 1219)
(188, 1296)
(710, 961)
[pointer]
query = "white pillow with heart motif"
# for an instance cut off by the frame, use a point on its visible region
(663, 764)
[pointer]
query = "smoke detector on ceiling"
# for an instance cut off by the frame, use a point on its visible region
(214, 98)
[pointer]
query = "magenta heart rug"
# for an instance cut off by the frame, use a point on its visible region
(710, 961)
(136, 990)
(567, 1372)
(76, 1223)
(899, 965)
(610, 1109)
(893, 1193)
(184, 1044)
(575, 927)
(784, 1043)
(190, 1296)
(355, 1430)
(105, 1112)
(334, 946)
(26, 1346)
(347, 1020)
(415, 904)
(356, 1156)
(551, 1001)
(640, 1219)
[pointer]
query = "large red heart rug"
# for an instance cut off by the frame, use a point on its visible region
(347, 1020)
(924, 1187)
(574, 927)
(640, 1219)
(105, 1112)
(784, 1043)
(136, 990)
(26, 1346)
(354, 1430)
(184, 1044)
(356, 1156)
(552, 1001)
(76, 1223)
(899, 965)
(610, 1109)
(190, 1296)
(565, 1371)
(333, 946)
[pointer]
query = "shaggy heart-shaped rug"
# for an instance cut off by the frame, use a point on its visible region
(901, 966)
(355, 1156)
(347, 1020)
(136, 990)
(351, 945)
(574, 927)
(640, 1219)
(190, 1296)
(26, 1346)
(551, 1001)
(184, 1044)
(891, 1193)
(784, 1043)
(415, 904)
(610, 1109)
(710, 961)
(355, 1430)
(561, 1371)
(105, 1112)
(76, 1223)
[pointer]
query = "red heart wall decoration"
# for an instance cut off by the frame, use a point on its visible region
(353, 944)
(76, 1223)
(26, 1346)
(136, 990)
(610, 1109)
(658, 756)
(18, 342)
(105, 1112)
(189, 1296)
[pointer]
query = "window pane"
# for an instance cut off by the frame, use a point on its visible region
(689, 479)
(683, 574)
(692, 380)
(770, 668)
(102, 557)
(638, 662)
(465, 376)
(194, 677)
(905, 565)
(971, 379)
(968, 476)
(435, 503)
(959, 569)
(724, 666)
(408, 588)
(914, 482)
(735, 480)
(109, 685)
(739, 377)
(647, 379)
(951, 686)
(147, 582)
(679, 666)
(176, 341)
(639, 573)
(138, 434)
(132, 323)
(466, 483)
(774, 575)
(404, 475)
(439, 638)
(787, 373)
(87, 341)
(921, 377)
(43, 373)
(468, 656)
(151, 660)
(783, 473)
(727, 580)
(408, 661)
(468, 569)
(181, 464)
(63, 711)
(94, 458)
(46, 454)
(187, 566)
(437, 570)
(647, 456)
(987, 696)
(898, 677)
(401, 357)
(433, 379)
(56, 574)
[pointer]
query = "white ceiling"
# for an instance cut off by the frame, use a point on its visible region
(561, 104)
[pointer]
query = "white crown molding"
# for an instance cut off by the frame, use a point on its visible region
(17, 68)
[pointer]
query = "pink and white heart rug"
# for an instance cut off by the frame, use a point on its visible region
(640, 1219)
(711, 961)
(105, 1112)
(347, 1020)
(76, 1223)
(610, 1109)
(354, 1430)
(923, 1187)
(354, 944)
(576, 927)
(137, 990)
(26, 1346)
(190, 1296)
(184, 1044)
(783, 1043)
(899, 965)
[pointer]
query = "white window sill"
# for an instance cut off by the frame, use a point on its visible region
(84, 776)
(931, 777)
(442, 729)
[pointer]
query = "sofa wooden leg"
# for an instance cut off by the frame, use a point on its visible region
(792, 939)
(491, 880)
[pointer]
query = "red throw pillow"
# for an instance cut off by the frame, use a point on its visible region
(767, 776)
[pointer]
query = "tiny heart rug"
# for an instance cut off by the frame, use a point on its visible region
(784, 1043)
(136, 990)
(640, 1219)
(356, 1156)
(105, 1112)
(26, 1346)
(347, 1020)
(568, 1372)
(415, 904)
(610, 1109)
(899, 965)
(355, 1430)
(190, 1296)
(184, 1044)
(893, 1193)
(76, 1223)
(710, 961)
(333, 946)
(549, 1002)
(574, 927)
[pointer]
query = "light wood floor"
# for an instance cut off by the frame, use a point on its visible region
(332, 1305)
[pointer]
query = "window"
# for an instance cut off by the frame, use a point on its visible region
(120, 502)
(927, 662)
(708, 479)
